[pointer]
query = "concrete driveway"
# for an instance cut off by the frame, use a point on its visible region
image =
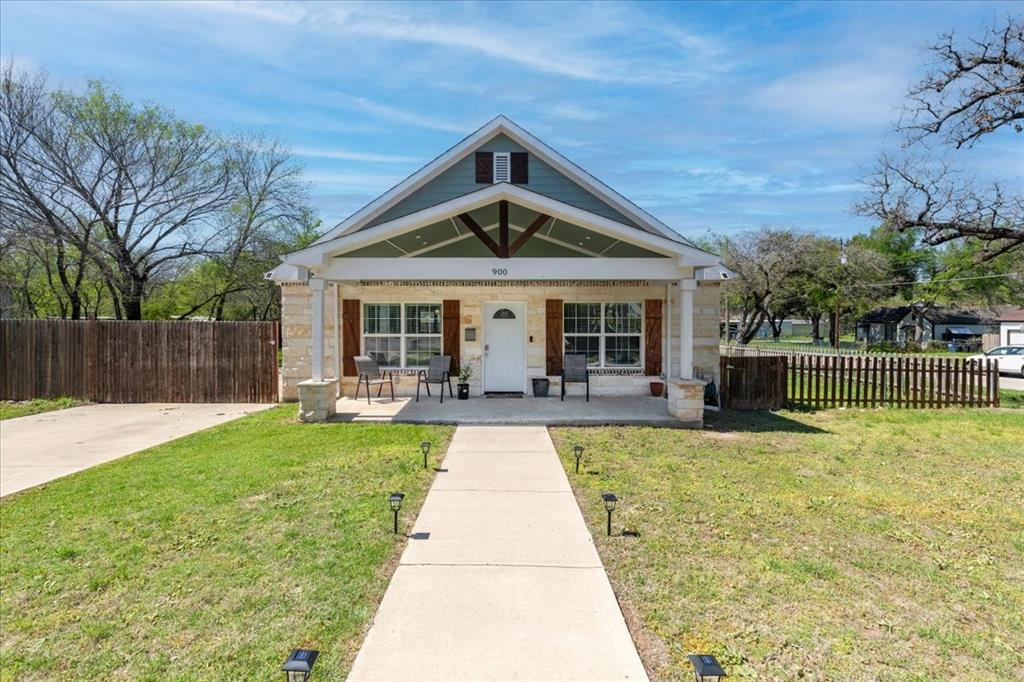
(42, 447)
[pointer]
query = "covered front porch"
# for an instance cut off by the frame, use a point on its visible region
(504, 282)
(480, 410)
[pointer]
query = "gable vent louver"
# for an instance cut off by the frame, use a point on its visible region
(502, 167)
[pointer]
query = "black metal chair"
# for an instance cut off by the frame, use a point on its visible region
(574, 369)
(370, 375)
(436, 373)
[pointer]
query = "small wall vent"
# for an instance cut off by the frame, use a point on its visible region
(502, 167)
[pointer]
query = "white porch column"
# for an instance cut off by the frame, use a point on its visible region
(337, 338)
(317, 285)
(317, 396)
(668, 331)
(686, 289)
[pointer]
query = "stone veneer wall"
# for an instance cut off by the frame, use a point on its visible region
(295, 319)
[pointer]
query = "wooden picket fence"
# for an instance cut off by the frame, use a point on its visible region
(915, 382)
(139, 361)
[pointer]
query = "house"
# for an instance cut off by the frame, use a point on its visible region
(920, 323)
(504, 255)
(794, 327)
(1011, 328)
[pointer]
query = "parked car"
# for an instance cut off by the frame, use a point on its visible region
(1009, 358)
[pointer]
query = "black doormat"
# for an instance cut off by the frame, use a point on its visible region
(503, 394)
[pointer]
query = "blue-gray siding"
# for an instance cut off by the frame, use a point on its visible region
(460, 179)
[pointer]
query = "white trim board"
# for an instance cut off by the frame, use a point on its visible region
(499, 269)
(497, 126)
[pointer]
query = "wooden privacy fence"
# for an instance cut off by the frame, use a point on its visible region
(823, 381)
(138, 362)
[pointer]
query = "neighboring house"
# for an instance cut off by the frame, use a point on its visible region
(1011, 328)
(921, 324)
(881, 324)
(794, 327)
(505, 255)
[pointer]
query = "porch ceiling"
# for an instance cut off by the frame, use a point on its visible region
(450, 238)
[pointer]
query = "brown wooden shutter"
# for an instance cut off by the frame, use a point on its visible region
(520, 171)
(652, 337)
(450, 332)
(485, 167)
(350, 332)
(554, 343)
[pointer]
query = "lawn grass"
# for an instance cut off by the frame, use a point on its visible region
(831, 545)
(12, 409)
(209, 557)
(1012, 399)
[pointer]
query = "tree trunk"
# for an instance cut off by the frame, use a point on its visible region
(131, 298)
(816, 327)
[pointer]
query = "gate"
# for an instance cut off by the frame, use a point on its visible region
(754, 383)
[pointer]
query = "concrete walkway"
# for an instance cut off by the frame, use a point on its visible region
(500, 579)
(42, 447)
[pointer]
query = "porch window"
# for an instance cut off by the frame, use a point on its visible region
(401, 335)
(609, 333)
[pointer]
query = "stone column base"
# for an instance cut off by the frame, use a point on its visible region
(317, 402)
(686, 401)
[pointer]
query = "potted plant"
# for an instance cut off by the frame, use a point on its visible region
(465, 373)
(657, 388)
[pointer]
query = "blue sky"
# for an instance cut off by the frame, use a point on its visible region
(721, 116)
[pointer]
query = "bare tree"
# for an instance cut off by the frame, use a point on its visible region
(913, 193)
(270, 205)
(973, 89)
(763, 261)
(135, 188)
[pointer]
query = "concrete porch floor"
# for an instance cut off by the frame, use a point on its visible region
(575, 411)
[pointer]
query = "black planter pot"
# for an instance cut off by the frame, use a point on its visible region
(541, 387)
(463, 390)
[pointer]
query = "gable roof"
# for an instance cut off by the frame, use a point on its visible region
(941, 315)
(879, 315)
(1015, 315)
(500, 125)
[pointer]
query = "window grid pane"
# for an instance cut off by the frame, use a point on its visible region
(418, 350)
(382, 318)
(386, 351)
(622, 318)
(591, 345)
(422, 318)
(622, 351)
(582, 318)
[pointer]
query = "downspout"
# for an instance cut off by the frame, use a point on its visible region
(337, 341)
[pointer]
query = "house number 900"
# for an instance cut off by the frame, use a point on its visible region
(499, 272)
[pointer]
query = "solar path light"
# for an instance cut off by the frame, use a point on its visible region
(395, 499)
(609, 506)
(425, 447)
(577, 450)
(299, 665)
(706, 668)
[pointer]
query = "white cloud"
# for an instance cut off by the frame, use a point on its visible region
(346, 155)
(844, 95)
(398, 115)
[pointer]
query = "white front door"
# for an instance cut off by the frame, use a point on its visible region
(504, 347)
